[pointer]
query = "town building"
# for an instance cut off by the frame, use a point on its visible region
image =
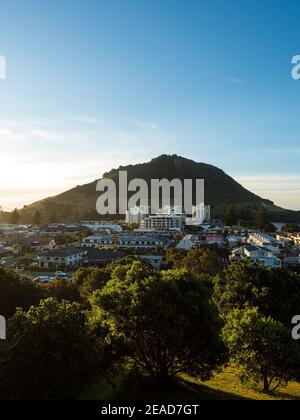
(257, 255)
(95, 257)
(266, 241)
(97, 227)
(125, 241)
(163, 223)
(65, 257)
(136, 214)
(201, 214)
(295, 237)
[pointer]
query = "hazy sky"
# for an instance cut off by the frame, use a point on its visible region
(92, 84)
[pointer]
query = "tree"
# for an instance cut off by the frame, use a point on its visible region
(262, 349)
(49, 353)
(261, 219)
(200, 261)
(37, 219)
(275, 292)
(230, 217)
(53, 217)
(165, 323)
(270, 228)
(80, 275)
(64, 290)
(14, 217)
(17, 291)
(96, 279)
(173, 257)
(290, 228)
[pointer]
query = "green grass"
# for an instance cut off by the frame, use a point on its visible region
(223, 386)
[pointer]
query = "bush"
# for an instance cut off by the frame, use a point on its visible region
(49, 353)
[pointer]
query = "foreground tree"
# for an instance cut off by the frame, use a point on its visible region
(49, 353)
(61, 289)
(17, 291)
(200, 261)
(80, 275)
(274, 291)
(166, 325)
(262, 349)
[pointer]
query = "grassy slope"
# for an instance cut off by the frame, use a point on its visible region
(224, 386)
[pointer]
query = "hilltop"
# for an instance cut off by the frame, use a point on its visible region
(221, 190)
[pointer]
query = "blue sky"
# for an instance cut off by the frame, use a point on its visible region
(97, 83)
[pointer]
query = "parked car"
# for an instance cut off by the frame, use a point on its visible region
(60, 274)
(43, 279)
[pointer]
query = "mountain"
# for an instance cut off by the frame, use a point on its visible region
(220, 191)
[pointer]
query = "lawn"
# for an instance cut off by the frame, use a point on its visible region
(223, 386)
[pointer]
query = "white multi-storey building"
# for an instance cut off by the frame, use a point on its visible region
(163, 222)
(201, 213)
(266, 241)
(136, 214)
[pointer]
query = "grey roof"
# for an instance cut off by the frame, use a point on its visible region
(129, 238)
(63, 252)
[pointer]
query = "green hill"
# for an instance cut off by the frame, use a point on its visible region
(220, 191)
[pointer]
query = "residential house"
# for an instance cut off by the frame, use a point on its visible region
(125, 241)
(257, 255)
(66, 257)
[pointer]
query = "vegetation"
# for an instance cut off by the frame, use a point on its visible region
(230, 216)
(154, 320)
(262, 219)
(199, 261)
(262, 348)
(275, 292)
(37, 218)
(15, 217)
(49, 353)
(17, 292)
(145, 330)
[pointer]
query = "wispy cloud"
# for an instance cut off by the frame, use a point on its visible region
(45, 157)
(283, 189)
(86, 119)
(230, 79)
(284, 150)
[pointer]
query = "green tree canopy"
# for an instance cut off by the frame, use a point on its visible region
(17, 291)
(165, 323)
(200, 261)
(49, 353)
(262, 349)
(274, 291)
(64, 290)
